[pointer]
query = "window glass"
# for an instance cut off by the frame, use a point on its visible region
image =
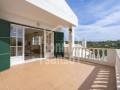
(16, 42)
(13, 31)
(37, 38)
(13, 41)
(20, 41)
(19, 53)
(19, 32)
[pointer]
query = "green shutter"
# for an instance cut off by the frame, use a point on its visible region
(4, 45)
(58, 43)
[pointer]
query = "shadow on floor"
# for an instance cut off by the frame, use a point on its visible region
(101, 78)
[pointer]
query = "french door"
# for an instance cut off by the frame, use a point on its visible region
(17, 44)
(34, 44)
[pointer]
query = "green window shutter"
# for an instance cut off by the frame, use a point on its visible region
(58, 43)
(4, 45)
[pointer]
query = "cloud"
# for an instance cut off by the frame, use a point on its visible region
(107, 28)
(98, 19)
(90, 11)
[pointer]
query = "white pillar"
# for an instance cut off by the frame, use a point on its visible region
(44, 43)
(71, 42)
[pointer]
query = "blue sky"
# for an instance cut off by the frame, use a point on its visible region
(99, 20)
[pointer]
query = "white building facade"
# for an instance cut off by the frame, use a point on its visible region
(29, 29)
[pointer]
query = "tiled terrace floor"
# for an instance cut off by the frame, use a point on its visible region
(67, 75)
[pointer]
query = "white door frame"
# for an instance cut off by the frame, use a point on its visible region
(50, 54)
(14, 60)
(21, 59)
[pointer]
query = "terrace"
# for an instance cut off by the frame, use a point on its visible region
(87, 69)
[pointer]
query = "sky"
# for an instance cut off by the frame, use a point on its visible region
(99, 20)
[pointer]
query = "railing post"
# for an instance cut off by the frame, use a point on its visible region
(94, 54)
(85, 52)
(89, 54)
(76, 52)
(98, 54)
(81, 53)
(73, 52)
(103, 54)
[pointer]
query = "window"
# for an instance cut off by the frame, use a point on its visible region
(13, 40)
(36, 39)
(13, 51)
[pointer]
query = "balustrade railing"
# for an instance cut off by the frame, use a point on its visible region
(90, 53)
(98, 55)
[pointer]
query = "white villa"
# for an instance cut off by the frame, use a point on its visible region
(30, 31)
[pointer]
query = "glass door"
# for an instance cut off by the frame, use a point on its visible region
(34, 44)
(16, 44)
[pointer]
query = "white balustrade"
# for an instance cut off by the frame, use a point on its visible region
(89, 53)
(97, 55)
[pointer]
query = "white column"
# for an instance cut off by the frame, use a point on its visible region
(44, 43)
(71, 42)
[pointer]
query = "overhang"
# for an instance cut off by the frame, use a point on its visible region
(51, 12)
